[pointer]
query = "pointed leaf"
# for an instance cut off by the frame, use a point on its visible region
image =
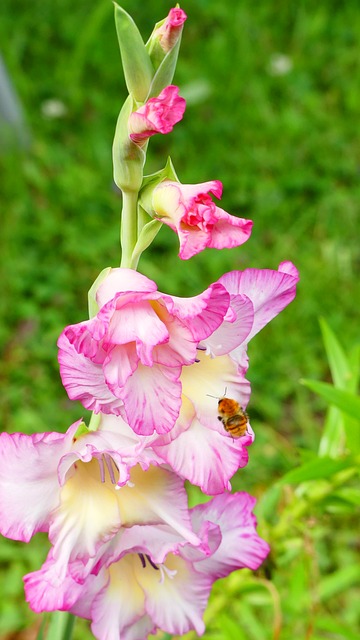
(92, 304)
(340, 629)
(333, 438)
(137, 66)
(339, 582)
(344, 400)
(338, 362)
(319, 468)
(165, 73)
(147, 235)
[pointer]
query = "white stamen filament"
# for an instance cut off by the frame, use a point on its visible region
(164, 570)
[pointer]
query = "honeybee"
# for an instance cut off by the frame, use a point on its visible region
(233, 417)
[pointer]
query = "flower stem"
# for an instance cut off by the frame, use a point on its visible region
(57, 625)
(128, 232)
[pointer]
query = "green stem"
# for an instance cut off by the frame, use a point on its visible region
(128, 233)
(69, 628)
(57, 625)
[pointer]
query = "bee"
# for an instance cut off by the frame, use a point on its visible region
(233, 417)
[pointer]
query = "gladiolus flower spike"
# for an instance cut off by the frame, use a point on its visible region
(126, 552)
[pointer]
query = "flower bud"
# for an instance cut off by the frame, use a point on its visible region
(168, 31)
(157, 115)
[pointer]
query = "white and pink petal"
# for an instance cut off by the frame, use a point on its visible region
(29, 488)
(270, 291)
(205, 457)
(176, 599)
(51, 588)
(241, 546)
(84, 380)
(152, 399)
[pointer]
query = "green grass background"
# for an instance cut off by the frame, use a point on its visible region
(286, 148)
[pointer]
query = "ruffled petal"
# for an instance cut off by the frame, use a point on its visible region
(240, 546)
(29, 488)
(176, 595)
(192, 241)
(137, 323)
(270, 291)
(47, 590)
(156, 541)
(156, 496)
(152, 399)
(139, 630)
(205, 457)
(181, 347)
(84, 380)
(87, 516)
(229, 231)
(119, 365)
(202, 314)
(119, 604)
(121, 280)
(231, 334)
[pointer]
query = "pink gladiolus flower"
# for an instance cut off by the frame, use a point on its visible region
(189, 210)
(157, 115)
(128, 359)
(88, 492)
(168, 33)
(137, 594)
(198, 447)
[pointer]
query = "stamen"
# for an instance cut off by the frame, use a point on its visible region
(164, 571)
(201, 348)
(170, 573)
(197, 360)
(109, 463)
(102, 469)
(154, 566)
(142, 559)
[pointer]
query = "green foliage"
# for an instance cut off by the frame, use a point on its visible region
(285, 146)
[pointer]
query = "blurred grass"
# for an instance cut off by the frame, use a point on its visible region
(286, 147)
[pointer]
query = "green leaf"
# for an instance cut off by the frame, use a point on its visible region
(338, 582)
(165, 73)
(137, 66)
(354, 364)
(344, 400)
(147, 235)
(251, 621)
(333, 438)
(230, 628)
(92, 304)
(345, 374)
(335, 627)
(320, 468)
(267, 505)
(339, 366)
(350, 494)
